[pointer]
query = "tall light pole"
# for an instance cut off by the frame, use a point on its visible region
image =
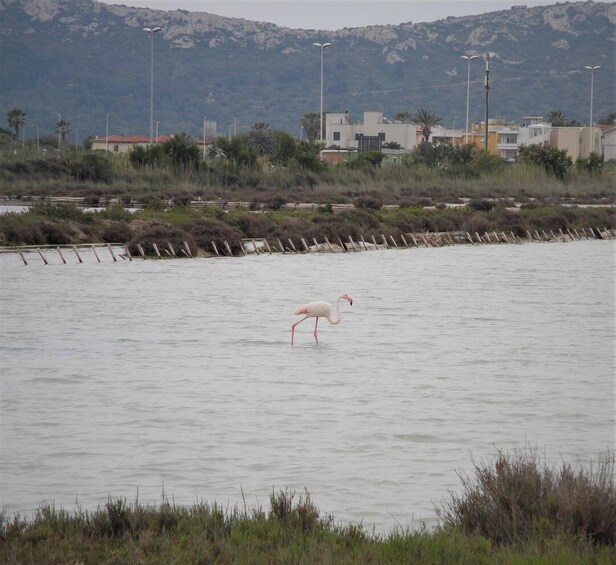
(487, 90)
(322, 47)
(152, 31)
(468, 90)
(204, 137)
(592, 83)
(107, 134)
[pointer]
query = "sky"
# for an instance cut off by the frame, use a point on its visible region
(334, 14)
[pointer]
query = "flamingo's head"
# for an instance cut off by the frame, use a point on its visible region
(347, 297)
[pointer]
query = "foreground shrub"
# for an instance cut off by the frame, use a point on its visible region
(516, 498)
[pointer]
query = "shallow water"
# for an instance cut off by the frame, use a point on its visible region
(133, 378)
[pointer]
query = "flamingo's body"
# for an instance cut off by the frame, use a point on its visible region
(321, 309)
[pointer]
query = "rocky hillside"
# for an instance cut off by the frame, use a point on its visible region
(84, 60)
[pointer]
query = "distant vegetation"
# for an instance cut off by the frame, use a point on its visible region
(512, 510)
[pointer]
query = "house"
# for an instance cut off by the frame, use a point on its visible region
(119, 144)
(608, 141)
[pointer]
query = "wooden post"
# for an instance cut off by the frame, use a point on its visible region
(363, 242)
(228, 247)
(468, 236)
(545, 235)
(292, 245)
(254, 245)
(577, 234)
(171, 248)
(404, 240)
(352, 243)
(187, 248)
(42, 256)
(450, 238)
(554, 237)
(305, 246)
(156, 250)
(374, 241)
(168, 253)
(385, 241)
(599, 233)
(268, 246)
(488, 236)
(393, 240)
(61, 256)
(127, 251)
(495, 237)
(23, 258)
(316, 243)
(216, 249)
(342, 245)
(562, 234)
(141, 251)
(414, 240)
(478, 238)
(570, 234)
(513, 236)
(112, 253)
(584, 232)
(95, 253)
(77, 253)
(505, 237)
(182, 250)
(425, 240)
(529, 236)
(281, 247)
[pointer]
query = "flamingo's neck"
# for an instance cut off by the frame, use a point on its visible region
(334, 317)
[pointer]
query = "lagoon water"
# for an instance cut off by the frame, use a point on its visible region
(129, 379)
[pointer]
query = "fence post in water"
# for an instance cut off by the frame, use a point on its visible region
(374, 242)
(171, 248)
(479, 240)
(450, 238)
(268, 246)
(468, 236)
(156, 250)
(42, 256)
(576, 234)
(182, 250)
(488, 237)
(216, 249)
(547, 238)
(228, 247)
(314, 239)
(281, 247)
(329, 245)
(305, 246)
(404, 240)
(292, 245)
(169, 253)
(352, 243)
(393, 240)
(599, 233)
(95, 253)
(188, 248)
(529, 236)
(61, 256)
(126, 251)
(77, 253)
(385, 241)
(23, 258)
(342, 245)
(141, 251)
(363, 242)
(505, 237)
(113, 255)
(243, 248)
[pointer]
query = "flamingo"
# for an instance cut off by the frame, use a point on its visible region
(320, 309)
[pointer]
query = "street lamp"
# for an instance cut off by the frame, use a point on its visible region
(322, 47)
(152, 31)
(468, 88)
(107, 134)
(592, 81)
(204, 137)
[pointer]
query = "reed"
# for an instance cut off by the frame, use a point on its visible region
(515, 511)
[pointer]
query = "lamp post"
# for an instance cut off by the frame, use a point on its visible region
(468, 90)
(107, 134)
(204, 137)
(152, 31)
(592, 70)
(322, 47)
(157, 122)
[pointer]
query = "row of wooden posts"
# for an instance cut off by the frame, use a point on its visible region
(414, 240)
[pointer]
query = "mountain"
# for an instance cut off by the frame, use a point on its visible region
(84, 59)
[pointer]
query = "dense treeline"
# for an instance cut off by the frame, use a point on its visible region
(514, 509)
(265, 165)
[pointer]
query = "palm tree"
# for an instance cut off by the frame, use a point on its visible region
(426, 119)
(311, 122)
(16, 118)
(559, 120)
(63, 129)
(404, 117)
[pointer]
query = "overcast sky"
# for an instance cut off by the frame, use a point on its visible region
(334, 14)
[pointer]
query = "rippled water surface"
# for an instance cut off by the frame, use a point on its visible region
(125, 378)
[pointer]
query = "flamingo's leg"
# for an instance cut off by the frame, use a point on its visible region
(293, 327)
(316, 321)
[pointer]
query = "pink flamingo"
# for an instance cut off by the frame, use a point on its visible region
(320, 309)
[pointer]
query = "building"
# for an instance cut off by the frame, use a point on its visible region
(119, 144)
(576, 141)
(608, 142)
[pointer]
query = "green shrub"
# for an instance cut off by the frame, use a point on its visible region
(208, 230)
(516, 498)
